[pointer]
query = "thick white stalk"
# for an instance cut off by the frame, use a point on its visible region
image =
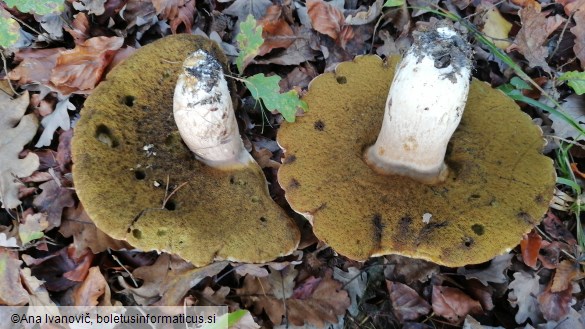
(424, 106)
(204, 114)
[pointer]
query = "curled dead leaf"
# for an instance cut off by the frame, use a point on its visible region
(453, 304)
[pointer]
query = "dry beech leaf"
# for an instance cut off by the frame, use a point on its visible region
(495, 26)
(325, 18)
(52, 200)
(409, 270)
(579, 31)
(61, 270)
(17, 130)
(80, 69)
(453, 304)
(91, 289)
(35, 65)
(536, 27)
(324, 305)
(524, 289)
(555, 305)
(365, 17)
(168, 280)
(407, 305)
(79, 28)
(481, 293)
(177, 12)
(32, 228)
(530, 247)
(566, 272)
(11, 291)
(276, 32)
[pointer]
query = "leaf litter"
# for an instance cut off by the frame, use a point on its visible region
(62, 53)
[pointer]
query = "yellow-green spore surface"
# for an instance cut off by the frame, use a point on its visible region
(498, 189)
(126, 148)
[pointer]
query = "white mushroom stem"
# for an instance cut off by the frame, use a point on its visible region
(204, 114)
(424, 106)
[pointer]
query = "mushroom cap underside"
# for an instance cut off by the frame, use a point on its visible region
(499, 187)
(126, 148)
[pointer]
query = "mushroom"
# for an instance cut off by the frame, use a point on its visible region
(497, 187)
(139, 182)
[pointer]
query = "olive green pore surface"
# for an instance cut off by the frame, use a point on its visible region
(214, 215)
(499, 187)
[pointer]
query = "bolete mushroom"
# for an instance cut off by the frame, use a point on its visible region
(139, 182)
(365, 202)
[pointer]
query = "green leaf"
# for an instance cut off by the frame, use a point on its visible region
(249, 41)
(9, 29)
(40, 7)
(267, 89)
(575, 80)
(393, 3)
(520, 84)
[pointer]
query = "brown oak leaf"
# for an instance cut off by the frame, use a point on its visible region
(327, 19)
(91, 289)
(530, 247)
(453, 304)
(276, 32)
(406, 302)
(177, 12)
(536, 28)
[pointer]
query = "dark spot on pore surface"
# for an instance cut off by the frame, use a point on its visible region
(430, 228)
(170, 205)
(319, 125)
(378, 229)
(290, 159)
(539, 199)
(467, 241)
(525, 217)
(404, 226)
(294, 183)
(341, 80)
(477, 229)
(263, 219)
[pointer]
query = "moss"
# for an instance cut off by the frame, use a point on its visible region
(126, 143)
(498, 190)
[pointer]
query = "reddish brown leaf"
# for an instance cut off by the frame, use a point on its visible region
(481, 293)
(406, 303)
(530, 246)
(177, 12)
(566, 272)
(276, 32)
(64, 151)
(79, 28)
(306, 289)
(60, 270)
(325, 18)
(80, 69)
(555, 305)
(52, 201)
(35, 65)
(11, 290)
(327, 302)
(453, 304)
(556, 229)
(91, 289)
(549, 254)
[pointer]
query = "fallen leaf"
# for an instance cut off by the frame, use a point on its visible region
(95, 7)
(91, 289)
(64, 151)
(453, 304)
(549, 254)
(555, 305)
(58, 119)
(575, 80)
(17, 130)
(325, 18)
(9, 29)
(298, 52)
(276, 32)
(471, 323)
(249, 42)
(495, 272)
(264, 158)
(355, 282)
(242, 319)
(422, 6)
(52, 200)
(481, 293)
(79, 28)
(38, 294)
(177, 12)
(268, 90)
(565, 273)
(85, 234)
(554, 227)
(8, 242)
(243, 8)
(326, 303)
(365, 17)
(536, 27)
(406, 302)
(11, 290)
(37, 7)
(409, 270)
(495, 26)
(524, 290)
(61, 270)
(35, 65)
(530, 248)
(167, 281)
(32, 228)
(80, 69)
(579, 32)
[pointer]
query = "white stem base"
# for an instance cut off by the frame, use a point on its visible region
(423, 109)
(204, 114)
